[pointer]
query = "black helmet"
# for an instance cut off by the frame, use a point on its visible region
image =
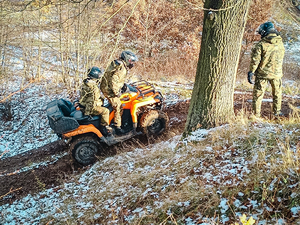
(94, 72)
(265, 28)
(129, 58)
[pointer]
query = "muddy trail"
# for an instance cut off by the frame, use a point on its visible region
(17, 182)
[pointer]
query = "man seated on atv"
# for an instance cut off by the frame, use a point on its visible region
(90, 97)
(112, 82)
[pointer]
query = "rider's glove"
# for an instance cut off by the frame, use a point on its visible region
(250, 77)
(123, 89)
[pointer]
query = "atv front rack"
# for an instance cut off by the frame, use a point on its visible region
(145, 89)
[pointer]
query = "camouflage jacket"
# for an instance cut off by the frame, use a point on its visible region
(267, 57)
(90, 95)
(113, 79)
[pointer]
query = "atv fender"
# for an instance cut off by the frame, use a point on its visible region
(83, 129)
(137, 104)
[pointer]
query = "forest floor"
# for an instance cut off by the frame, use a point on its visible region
(18, 172)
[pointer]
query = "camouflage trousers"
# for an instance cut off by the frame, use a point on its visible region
(98, 109)
(116, 104)
(258, 94)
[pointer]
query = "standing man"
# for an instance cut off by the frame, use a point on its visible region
(266, 65)
(112, 82)
(90, 97)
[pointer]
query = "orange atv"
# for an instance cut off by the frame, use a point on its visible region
(142, 114)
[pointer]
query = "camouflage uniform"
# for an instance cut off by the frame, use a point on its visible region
(90, 98)
(111, 84)
(266, 63)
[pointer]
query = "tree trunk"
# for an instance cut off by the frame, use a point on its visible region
(212, 97)
(39, 44)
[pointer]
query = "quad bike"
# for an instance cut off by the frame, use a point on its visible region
(142, 114)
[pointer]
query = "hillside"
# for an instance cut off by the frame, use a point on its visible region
(213, 176)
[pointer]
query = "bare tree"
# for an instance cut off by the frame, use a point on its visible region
(212, 97)
(65, 37)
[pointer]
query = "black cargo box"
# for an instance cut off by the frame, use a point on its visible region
(58, 121)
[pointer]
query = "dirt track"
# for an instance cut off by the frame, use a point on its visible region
(44, 177)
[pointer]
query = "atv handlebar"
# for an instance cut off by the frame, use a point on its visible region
(127, 88)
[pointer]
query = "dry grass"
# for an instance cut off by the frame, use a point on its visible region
(147, 186)
(167, 67)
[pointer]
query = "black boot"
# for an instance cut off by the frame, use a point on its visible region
(119, 131)
(106, 130)
(109, 130)
(103, 131)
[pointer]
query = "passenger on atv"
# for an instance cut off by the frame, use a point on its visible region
(90, 99)
(91, 105)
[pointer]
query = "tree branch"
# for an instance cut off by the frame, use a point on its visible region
(10, 191)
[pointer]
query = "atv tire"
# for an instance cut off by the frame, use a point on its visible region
(84, 150)
(154, 122)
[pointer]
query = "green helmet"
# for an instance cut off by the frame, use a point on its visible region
(266, 28)
(94, 72)
(129, 58)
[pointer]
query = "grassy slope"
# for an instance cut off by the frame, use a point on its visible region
(212, 177)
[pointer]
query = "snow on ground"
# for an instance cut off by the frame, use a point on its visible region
(33, 209)
(105, 189)
(29, 128)
(53, 159)
(293, 49)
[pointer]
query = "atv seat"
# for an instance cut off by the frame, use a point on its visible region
(86, 120)
(78, 115)
(65, 106)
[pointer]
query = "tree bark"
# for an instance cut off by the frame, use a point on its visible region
(212, 97)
